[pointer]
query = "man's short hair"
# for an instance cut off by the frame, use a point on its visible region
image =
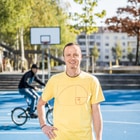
(70, 44)
(34, 66)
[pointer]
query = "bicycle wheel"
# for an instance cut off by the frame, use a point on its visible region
(19, 116)
(49, 116)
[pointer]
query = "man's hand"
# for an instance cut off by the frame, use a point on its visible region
(97, 121)
(36, 88)
(49, 131)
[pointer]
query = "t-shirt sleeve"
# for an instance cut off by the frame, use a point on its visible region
(48, 91)
(96, 91)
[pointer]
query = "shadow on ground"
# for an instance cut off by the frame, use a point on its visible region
(121, 97)
(14, 127)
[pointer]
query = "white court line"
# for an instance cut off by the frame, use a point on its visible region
(21, 132)
(123, 102)
(120, 122)
(8, 92)
(10, 122)
(10, 105)
(121, 110)
(5, 123)
(4, 110)
(4, 118)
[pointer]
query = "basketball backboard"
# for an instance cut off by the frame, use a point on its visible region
(43, 35)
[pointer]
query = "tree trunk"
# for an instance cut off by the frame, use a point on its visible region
(117, 62)
(137, 51)
(87, 54)
(22, 50)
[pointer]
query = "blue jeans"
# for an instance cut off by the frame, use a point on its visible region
(32, 95)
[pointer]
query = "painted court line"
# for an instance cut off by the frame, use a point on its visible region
(9, 122)
(21, 132)
(123, 102)
(6, 122)
(15, 105)
(4, 118)
(121, 110)
(120, 122)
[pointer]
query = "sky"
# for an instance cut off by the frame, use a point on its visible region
(109, 5)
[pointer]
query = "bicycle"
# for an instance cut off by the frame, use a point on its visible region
(19, 115)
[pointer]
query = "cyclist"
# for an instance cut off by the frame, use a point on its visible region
(26, 88)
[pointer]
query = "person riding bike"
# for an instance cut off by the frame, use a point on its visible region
(28, 90)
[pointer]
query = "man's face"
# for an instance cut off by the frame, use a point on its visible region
(72, 57)
(34, 70)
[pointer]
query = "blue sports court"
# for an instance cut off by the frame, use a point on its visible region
(121, 117)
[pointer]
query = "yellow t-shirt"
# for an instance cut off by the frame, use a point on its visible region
(72, 105)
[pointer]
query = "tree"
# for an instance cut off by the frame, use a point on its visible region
(127, 20)
(117, 53)
(18, 16)
(14, 15)
(130, 55)
(13, 24)
(95, 53)
(85, 22)
(51, 14)
(94, 56)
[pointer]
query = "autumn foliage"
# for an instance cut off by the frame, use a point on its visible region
(127, 20)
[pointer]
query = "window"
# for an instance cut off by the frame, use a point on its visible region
(123, 43)
(91, 37)
(134, 50)
(82, 43)
(106, 44)
(106, 50)
(83, 51)
(123, 50)
(91, 43)
(98, 37)
(123, 37)
(123, 57)
(82, 37)
(106, 57)
(107, 37)
(115, 37)
(98, 43)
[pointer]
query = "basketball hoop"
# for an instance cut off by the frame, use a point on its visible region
(45, 39)
(45, 42)
(45, 35)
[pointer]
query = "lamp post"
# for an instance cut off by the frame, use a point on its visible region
(86, 39)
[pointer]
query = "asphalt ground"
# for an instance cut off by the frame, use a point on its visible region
(121, 117)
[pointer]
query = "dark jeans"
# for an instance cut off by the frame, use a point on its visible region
(32, 95)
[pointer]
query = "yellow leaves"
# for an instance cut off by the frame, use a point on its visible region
(79, 1)
(86, 20)
(78, 29)
(92, 30)
(101, 15)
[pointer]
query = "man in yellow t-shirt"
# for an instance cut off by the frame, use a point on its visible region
(77, 95)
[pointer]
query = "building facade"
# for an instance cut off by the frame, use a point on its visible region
(106, 40)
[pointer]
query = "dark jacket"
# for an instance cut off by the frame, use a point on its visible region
(27, 80)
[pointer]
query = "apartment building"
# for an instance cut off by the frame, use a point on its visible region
(106, 40)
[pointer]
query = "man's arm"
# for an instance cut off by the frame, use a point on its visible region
(38, 80)
(41, 112)
(97, 121)
(48, 130)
